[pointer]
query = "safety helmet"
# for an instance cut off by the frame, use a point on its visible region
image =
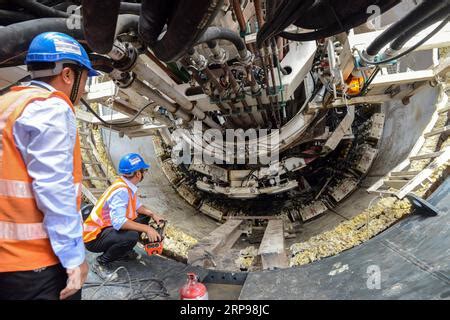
(132, 162)
(58, 47)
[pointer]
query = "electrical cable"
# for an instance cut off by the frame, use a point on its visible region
(137, 290)
(418, 44)
(115, 123)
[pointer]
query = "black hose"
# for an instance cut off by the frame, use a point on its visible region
(406, 36)
(185, 26)
(215, 33)
(286, 13)
(418, 44)
(16, 38)
(343, 25)
(99, 22)
(153, 18)
(10, 17)
(40, 10)
(106, 123)
(426, 8)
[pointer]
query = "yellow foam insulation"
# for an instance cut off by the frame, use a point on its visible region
(246, 257)
(177, 243)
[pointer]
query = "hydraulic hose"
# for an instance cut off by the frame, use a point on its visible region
(426, 8)
(336, 27)
(418, 44)
(215, 33)
(99, 22)
(185, 26)
(40, 10)
(154, 15)
(10, 17)
(16, 38)
(406, 36)
(285, 14)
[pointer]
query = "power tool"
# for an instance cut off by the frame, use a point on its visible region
(155, 247)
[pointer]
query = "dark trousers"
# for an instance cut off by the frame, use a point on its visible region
(45, 284)
(115, 244)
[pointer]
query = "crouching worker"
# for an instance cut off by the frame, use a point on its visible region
(118, 219)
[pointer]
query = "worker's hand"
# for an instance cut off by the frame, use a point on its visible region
(153, 235)
(75, 280)
(157, 218)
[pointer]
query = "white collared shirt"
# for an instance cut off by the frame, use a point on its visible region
(117, 204)
(45, 135)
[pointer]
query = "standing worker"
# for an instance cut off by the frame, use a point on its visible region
(42, 254)
(114, 227)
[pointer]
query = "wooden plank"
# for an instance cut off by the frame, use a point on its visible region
(271, 249)
(216, 244)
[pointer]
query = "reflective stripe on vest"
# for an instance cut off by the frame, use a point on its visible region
(100, 217)
(22, 231)
(24, 243)
(17, 189)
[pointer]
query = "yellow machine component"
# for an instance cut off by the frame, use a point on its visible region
(354, 85)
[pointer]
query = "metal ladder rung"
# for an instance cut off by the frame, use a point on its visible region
(92, 162)
(95, 178)
(444, 110)
(437, 131)
(426, 156)
(396, 184)
(404, 173)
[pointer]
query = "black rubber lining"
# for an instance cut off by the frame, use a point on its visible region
(412, 259)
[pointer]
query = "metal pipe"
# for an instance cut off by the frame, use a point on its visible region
(239, 15)
(152, 77)
(156, 97)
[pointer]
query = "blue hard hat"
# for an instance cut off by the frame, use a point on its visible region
(132, 162)
(57, 46)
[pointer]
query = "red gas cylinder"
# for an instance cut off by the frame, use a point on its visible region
(193, 290)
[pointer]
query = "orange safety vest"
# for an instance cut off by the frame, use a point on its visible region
(24, 243)
(100, 216)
